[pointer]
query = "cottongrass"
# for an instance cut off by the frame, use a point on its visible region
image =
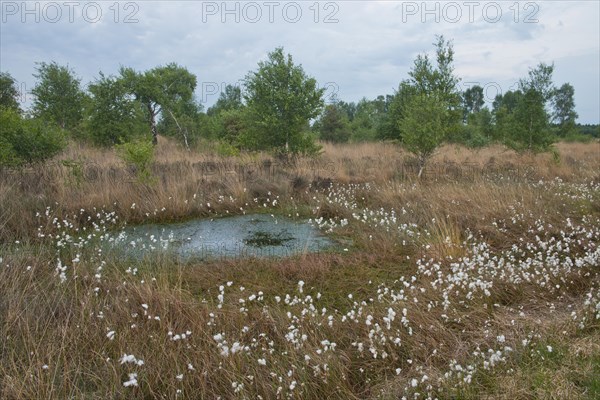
(427, 303)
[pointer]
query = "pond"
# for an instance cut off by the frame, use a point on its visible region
(256, 235)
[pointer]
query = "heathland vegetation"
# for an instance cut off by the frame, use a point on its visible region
(469, 255)
(279, 108)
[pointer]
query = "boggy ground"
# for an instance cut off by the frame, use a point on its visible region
(480, 280)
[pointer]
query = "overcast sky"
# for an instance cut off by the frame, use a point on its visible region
(353, 48)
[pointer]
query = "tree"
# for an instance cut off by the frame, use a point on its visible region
(564, 114)
(114, 116)
(509, 101)
(522, 122)
(440, 79)
(229, 99)
(27, 141)
(430, 110)
(473, 101)
(9, 92)
(477, 125)
(589, 129)
(281, 100)
(478, 131)
(231, 125)
(424, 126)
(483, 121)
(159, 90)
(333, 125)
(58, 95)
(539, 79)
(227, 117)
(366, 119)
(348, 108)
(526, 129)
(388, 127)
(503, 109)
(183, 121)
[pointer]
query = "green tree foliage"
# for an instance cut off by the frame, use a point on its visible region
(427, 78)
(229, 126)
(477, 128)
(139, 156)
(396, 110)
(333, 125)
(114, 116)
(387, 126)
(232, 125)
(430, 111)
(366, 119)
(227, 118)
(27, 141)
(528, 128)
(472, 100)
(58, 95)
(522, 121)
(539, 79)
(160, 89)
(281, 100)
(183, 121)
(508, 101)
(229, 99)
(348, 108)
(478, 131)
(503, 109)
(589, 129)
(564, 114)
(424, 126)
(9, 92)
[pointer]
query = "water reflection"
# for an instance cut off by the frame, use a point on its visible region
(256, 235)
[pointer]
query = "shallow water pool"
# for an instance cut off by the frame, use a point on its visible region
(256, 235)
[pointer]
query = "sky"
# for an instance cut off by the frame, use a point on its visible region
(354, 49)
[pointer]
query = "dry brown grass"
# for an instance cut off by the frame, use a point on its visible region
(101, 179)
(465, 192)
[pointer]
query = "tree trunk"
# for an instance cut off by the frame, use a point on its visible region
(154, 133)
(153, 125)
(421, 166)
(182, 131)
(530, 133)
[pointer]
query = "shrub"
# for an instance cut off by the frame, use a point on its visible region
(576, 137)
(138, 155)
(27, 141)
(225, 149)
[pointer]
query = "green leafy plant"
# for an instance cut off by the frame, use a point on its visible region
(27, 141)
(138, 155)
(281, 101)
(226, 150)
(58, 95)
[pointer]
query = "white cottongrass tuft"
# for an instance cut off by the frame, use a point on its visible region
(132, 380)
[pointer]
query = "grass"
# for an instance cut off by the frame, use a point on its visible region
(452, 286)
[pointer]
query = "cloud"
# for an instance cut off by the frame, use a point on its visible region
(366, 48)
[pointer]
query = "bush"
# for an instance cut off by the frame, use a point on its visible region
(225, 149)
(27, 141)
(138, 155)
(471, 137)
(576, 137)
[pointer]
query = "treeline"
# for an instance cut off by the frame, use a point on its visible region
(280, 108)
(529, 118)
